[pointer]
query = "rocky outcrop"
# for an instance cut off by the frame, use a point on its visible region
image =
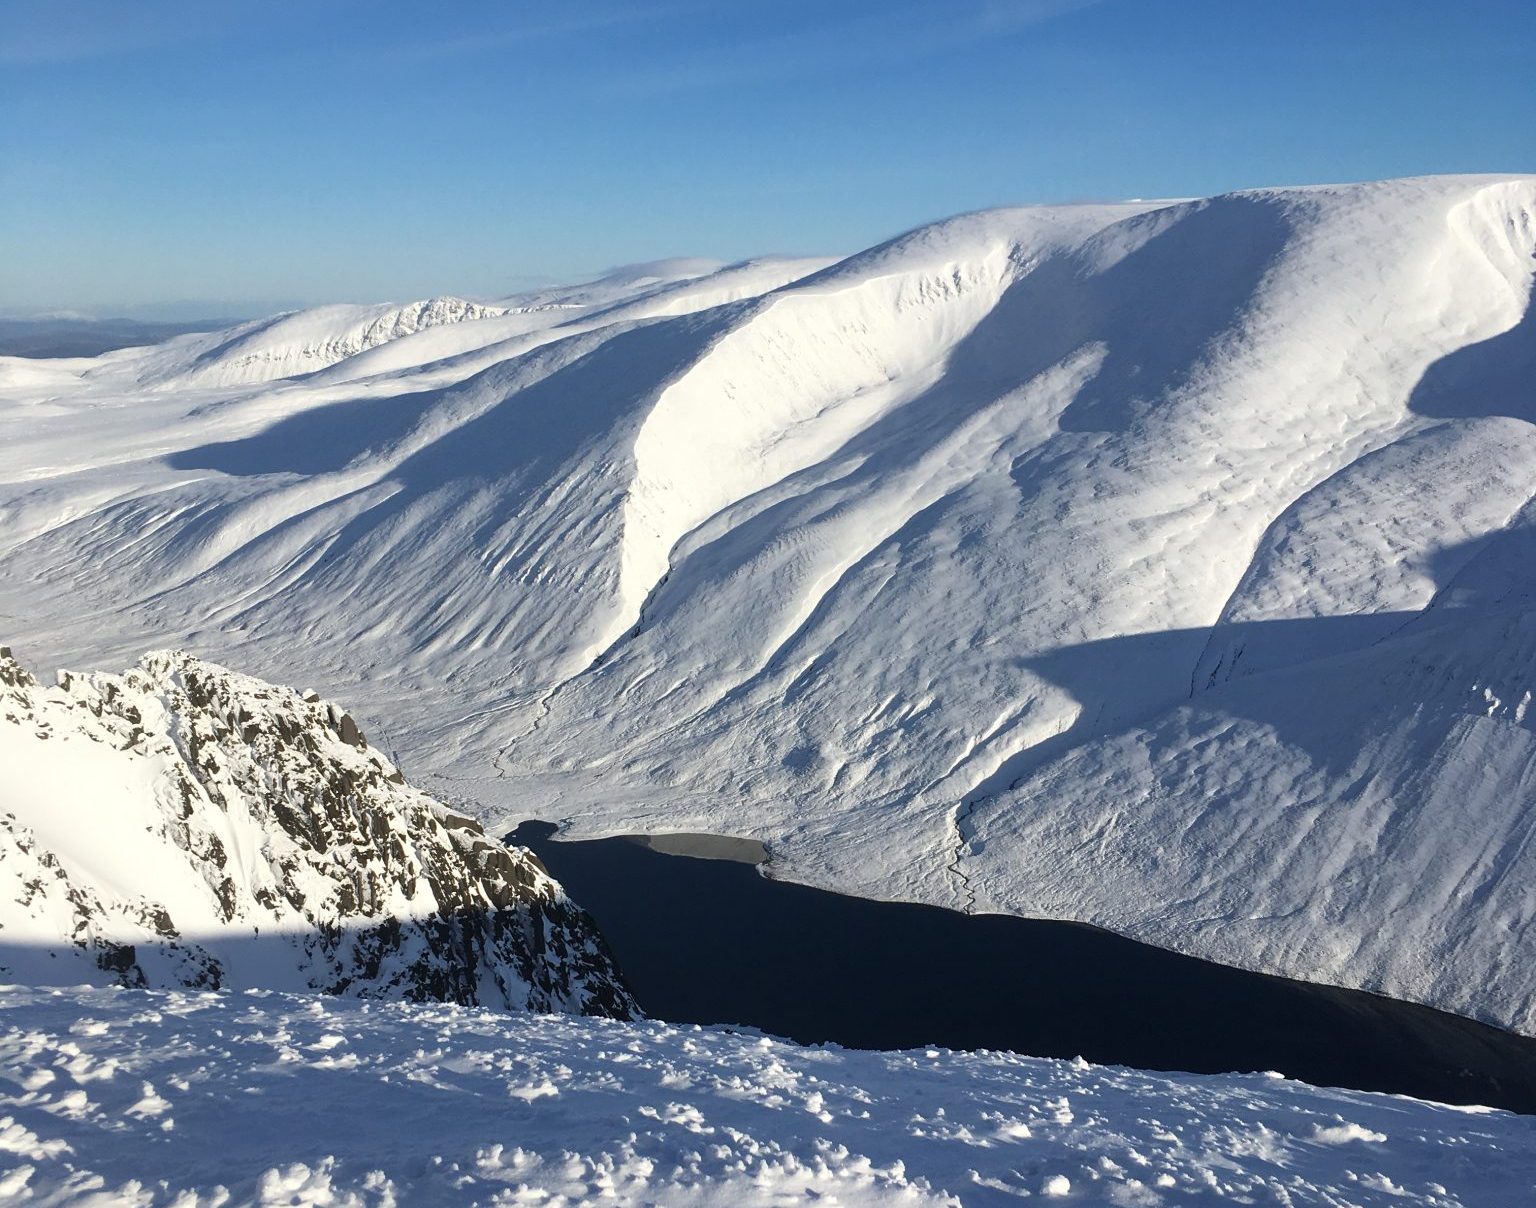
(184, 825)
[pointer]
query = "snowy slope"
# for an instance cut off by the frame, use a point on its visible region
(141, 1098)
(1157, 511)
(182, 825)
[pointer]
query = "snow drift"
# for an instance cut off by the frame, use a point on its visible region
(1157, 565)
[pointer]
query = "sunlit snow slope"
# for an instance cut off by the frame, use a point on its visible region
(1161, 565)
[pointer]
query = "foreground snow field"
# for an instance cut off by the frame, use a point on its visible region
(1164, 566)
(144, 1097)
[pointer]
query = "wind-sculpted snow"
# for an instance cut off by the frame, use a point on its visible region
(149, 1098)
(182, 825)
(311, 340)
(1157, 511)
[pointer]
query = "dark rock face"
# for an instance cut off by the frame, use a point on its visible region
(301, 845)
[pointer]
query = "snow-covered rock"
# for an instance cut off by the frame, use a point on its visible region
(1109, 562)
(143, 1098)
(182, 825)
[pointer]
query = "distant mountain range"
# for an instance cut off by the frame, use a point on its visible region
(85, 337)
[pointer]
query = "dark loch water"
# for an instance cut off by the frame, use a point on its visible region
(711, 940)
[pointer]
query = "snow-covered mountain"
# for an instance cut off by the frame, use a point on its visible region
(1159, 565)
(182, 825)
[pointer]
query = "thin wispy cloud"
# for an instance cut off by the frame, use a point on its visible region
(39, 33)
(46, 32)
(1003, 16)
(514, 26)
(891, 34)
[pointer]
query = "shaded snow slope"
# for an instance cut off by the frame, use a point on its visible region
(182, 825)
(141, 1098)
(1156, 511)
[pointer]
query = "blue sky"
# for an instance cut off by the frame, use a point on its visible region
(234, 155)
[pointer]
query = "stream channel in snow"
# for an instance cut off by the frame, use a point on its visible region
(704, 937)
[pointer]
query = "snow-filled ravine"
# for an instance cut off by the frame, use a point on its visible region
(712, 941)
(129, 1097)
(1165, 566)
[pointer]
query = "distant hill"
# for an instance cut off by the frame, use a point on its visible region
(89, 337)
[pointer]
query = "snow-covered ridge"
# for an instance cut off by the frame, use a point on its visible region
(1097, 562)
(158, 1098)
(183, 825)
(314, 339)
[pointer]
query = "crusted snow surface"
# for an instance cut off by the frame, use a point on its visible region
(183, 825)
(155, 1098)
(1162, 512)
